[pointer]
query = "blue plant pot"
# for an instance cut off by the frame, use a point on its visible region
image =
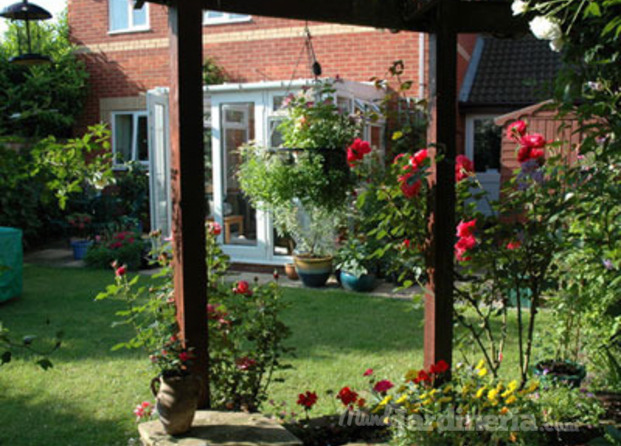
(313, 271)
(362, 284)
(79, 248)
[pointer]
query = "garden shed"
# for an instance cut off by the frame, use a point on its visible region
(235, 114)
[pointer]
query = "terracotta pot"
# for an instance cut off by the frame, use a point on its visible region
(290, 271)
(177, 400)
(314, 271)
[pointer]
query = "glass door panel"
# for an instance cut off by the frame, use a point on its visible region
(239, 217)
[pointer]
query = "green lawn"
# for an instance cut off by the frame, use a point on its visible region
(88, 397)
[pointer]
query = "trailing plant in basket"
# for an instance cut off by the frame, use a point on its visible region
(306, 183)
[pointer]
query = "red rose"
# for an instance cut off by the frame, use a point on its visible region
(463, 168)
(243, 288)
(533, 140)
(361, 402)
(439, 367)
(383, 386)
(465, 228)
(368, 372)
(406, 243)
(121, 271)
(347, 396)
(420, 157)
(523, 154)
(409, 190)
(184, 356)
(214, 228)
(423, 377)
(307, 400)
(245, 363)
(514, 245)
(516, 130)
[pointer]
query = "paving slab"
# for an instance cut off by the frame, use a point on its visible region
(211, 428)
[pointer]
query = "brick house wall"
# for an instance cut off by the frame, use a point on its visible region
(123, 66)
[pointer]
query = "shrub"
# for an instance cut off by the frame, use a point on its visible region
(126, 248)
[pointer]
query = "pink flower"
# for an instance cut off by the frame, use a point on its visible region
(463, 245)
(368, 372)
(516, 130)
(121, 271)
(463, 168)
(514, 245)
(214, 228)
(243, 288)
(465, 228)
(184, 356)
(383, 386)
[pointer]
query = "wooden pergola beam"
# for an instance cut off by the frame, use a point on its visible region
(483, 16)
(188, 182)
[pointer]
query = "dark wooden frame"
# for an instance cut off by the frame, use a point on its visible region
(443, 19)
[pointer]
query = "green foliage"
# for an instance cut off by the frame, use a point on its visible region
(354, 257)
(76, 164)
(213, 74)
(42, 100)
(561, 404)
(27, 344)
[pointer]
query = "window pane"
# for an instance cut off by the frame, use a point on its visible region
(118, 15)
(277, 102)
(142, 143)
(487, 137)
(123, 134)
(343, 104)
(275, 134)
(140, 16)
(210, 15)
(238, 16)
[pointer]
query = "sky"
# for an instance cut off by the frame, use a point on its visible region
(53, 6)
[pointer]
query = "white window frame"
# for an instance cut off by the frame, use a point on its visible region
(226, 18)
(135, 115)
(130, 20)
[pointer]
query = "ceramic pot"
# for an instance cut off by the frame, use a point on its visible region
(291, 272)
(364, 283)
(177, 400)
(313, 271)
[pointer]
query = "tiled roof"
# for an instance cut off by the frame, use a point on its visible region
(509, 72)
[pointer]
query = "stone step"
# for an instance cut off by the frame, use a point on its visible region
(211, 428)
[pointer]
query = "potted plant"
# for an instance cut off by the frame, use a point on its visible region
(306, 183)
(355, 267)
(80, 225)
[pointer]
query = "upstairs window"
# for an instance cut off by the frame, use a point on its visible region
(129, 137)
(219, 18)
(123, 16)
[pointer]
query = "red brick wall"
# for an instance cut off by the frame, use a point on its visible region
(118, 72)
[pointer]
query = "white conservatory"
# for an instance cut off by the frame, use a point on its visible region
(234, 115)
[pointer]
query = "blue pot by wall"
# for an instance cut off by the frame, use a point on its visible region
(79, 248)
(364, 283)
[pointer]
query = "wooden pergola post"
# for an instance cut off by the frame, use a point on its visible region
(444, 19)
(188, 181)
(443, 90)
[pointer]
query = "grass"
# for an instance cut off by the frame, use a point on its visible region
(88, 397)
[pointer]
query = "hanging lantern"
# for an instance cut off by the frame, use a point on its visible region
(27, 12)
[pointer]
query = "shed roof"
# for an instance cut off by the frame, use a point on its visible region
(509, 73)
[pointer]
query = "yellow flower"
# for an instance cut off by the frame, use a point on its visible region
(482, 372)
(504, 410)
(402, 399)
(426, 402)
(397, 135)
(513, 385)
(432, 392)
(481, 364)
(512, 399)
(423, 396)
(447, 389)
(386, 420)
(492, 395)
(480, 392)
(445, 399)
(513, 437)
(386, 400)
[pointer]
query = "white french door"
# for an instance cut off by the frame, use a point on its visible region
(236, 120)
(159, 161)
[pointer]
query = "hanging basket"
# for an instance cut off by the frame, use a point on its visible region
(332, 159)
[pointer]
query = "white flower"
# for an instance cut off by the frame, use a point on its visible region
(519, 7)
(545, 28)
(556, 45)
